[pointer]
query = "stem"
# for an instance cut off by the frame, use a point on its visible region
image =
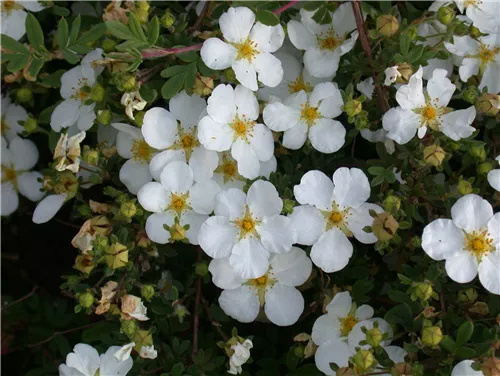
(358, 16)
(285, 7)
(159, 52)
(196, 318)
(200, 19)
(214, 323)
(7, 304)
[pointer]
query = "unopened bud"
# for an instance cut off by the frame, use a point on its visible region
(412, 32)
(423, 291)
(129, 328)
(128, 209)
(181, 311)
(142, 15)
(298, 351)
(230, 75)
(461, 29)
(387, 25)
(374, 336)
(201, 269)
(129, 83)
(392, 203)
(288, 206)
(24, 95)
(445, 15)
(474, 32)
(97, 93)
(84, 263)
(468, 295)
(139, 118)
(434, 155)
(91, 157)
(488, 104)
(416, 242)
(352, 108)
(108, 45)
(203, 86)
(147, 292)
(432, 336)
(364, 360)
(471, 94)
(104, 117)
(30, 125)
(66, 183)
(384, 226)
(480, 308)
(406, 72)
(484, 168)
(86, 300)
(464, 187)
(478, 153)
(167, 19)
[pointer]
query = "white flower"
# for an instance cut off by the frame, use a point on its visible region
(48, 208)
(304, 116)
(295, 79)
(248, 50)
(231, 124)
(85, 361)
(391, 75)
(366, 87)
(469, 242)
(12, 114)
(179, 142)
(132, 101)
(274, 290)
(417, 110)
(177, 196)
(380, 135)
(494, 177)
(240, 356)
(464, 368)
(68, 151)
(13, 16)
(330, 213)
(483, 13)
(481, 56)
(17, 160)
(246, 228)
(342, 315)
(75, 90)
(131, 145)
(227, 176)
(148, 352)
(324, 44)
(124, 352)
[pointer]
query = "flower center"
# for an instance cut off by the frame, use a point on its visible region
(335, 217)
(298, 85)
(261, 281)
(187, 141)
(468, 3)
(81, 95)
(309, 114)
(229, 169)
(329, 40)
(487, 55)
(478, 243)
(178, 202)
(141, 151)
(5, 127)
(246, 50)
(429, 113)
(246, 225)
(9, 175)
(8, 6)
(346, 325)
(242, 127)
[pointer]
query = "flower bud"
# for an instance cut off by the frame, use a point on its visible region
(488, 104)
(66, 183)
(364, 360)
(484, 168)
(406, 72)
(167, 19)
(203, 86)
(412, 32)
(491, 367)
(30, 125)
(474, 31)
(461, 29)
(288, 206)
(401, 369)
(181, 311)
(24, 95)
(177, 232)
(129, 328)
(374, 336)
(445, 15)
(432, 336)
(480, 308)
(387, 25)
(147, 292)
(434, 155)
(108, 45)
(230, 75)
(84, 263)
(392, 203)
(416, 242)
(142, 15)
(128, 83)
(116, 256)
(384, 226)
(464, 187)
(201, 269)
(423, 291)
(91, 157)
(101, 225)
(478, 153)
(128, 209)
(97, 93)
(104, 117)
(352, 107)
(471, 94)
(298, 351)
(139, 118)
(468, 295)
(86, 300)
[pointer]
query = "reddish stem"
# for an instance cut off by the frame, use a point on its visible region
(158, 52)
(285, 7)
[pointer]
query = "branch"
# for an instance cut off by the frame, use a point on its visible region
(358, 16)
(159, 52)
(285, 7)
(214, 323)
(7, 304)
(196, 318)
(202, 15)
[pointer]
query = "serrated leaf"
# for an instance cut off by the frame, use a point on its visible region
(153, 30)
(34, 32)
(119, 30)
(464, 333)
(135, 27)
(172, 71)
(75, 30)
(267, 18)
(62, 33)
(93, 34)
(172, 86)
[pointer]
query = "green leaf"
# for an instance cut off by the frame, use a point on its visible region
(35, 66)
(70, 56)
(312, 5)
(376, 170)
(172, 71)
(404, 43)
(62, 33)
(401, 315)
(60, 11)
(177, 369)
(377, 180)
(136, 28)
(17, 62)
(448, 344)
(267, 18)
(322, 16)
(147, 93)
(119, 30)
(153, 30)
(34, 32)
(44, 118)
(93, 34)
(54, 79)
(172, 86)
(465, 353)
(415, 54)
(188, 56)
(12, 45)
(190, 75)
(464, 333)
(203, 69)
(75, 30)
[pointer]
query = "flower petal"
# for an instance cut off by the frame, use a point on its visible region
(84, 358)
(203, 163)
(360, 218)
(236, 24)
(276, 234)
(246, 103)
(187, 109)
(162, 159)
(230, 203)
(134, 175)
(154, 227)
(396, 353)
(327, 135)
(48, 208)
(321, 63)
(471, 212)
(284, 305)
(203, 196)
(469, 67)
(261, 141)
(309, 224)
(489, 272)
(457, 124)
(268, 68)
(315, 189)
(86, 117)
(263, 199)
(217, 237)
(194, 221)
(440, 88)
(325, 328)
(153, 197)
(411, 95)
(332, 251)
(177, 177)
(249, 258)
(463, 46)
(441, 239)
(401, 125)
(333, 351)
(491, 77)
(218, 55)
(13, 24)
(291, 268)
(223, 276)
(461, 267)
(159, 128)
(295, 137)
(248, 162)
(279, 117)
(364, 312)
(464, 368)
(268, 38)
(241, 304)
(494, 179)
(112, 366)
(351, 187)
(221, 104)
(29, 186)
(24, 153)
(340, 305)
(300, 37)
(215, 136)
(65, 114)
(245, 73)
(10, 199)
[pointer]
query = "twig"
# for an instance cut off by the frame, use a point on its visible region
(358, 16)
(285, 7)
(7, 304)
(202, 15)
(159, 52)
(214, 322)
(196, 318)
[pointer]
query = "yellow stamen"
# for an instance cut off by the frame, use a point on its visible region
(178, 202)
(346, 325)
(246, 50)
(298, 85)
(478, 243)
(242, 127)
(329, 40)
(309, 114)
(429, 113)
(141, 151)
(9, 175)
(8, 6)
(187, 141)
(246, 225)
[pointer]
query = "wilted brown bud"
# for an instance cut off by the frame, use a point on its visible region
(488, 104)
(384, 226)
(387, 25)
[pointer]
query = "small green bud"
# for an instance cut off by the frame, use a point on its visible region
(230, 75)
(128, 209)
(434, 155)
(416, 242)
(30, 125)
(108, 45)
(201, 269)
(24, 95)
(461, 29)
(484, 168)
(392, 204)
(142, 15)
(353, 107)
(478, 153)
(363, 359)
(474, 31)
(91, 157)
(288, 206)
(468, 295)
(129, 328)
(374, 336)
(412, 32)
(298, 351)
(471, 94)
(139, 118)
(464, 187)
(432, 336)
(445, 15)
(104, 117)
(129, 83)
(423, 291)
(147, 292)
(181, 311)
(86, 300)
(167, 19)
(97, 93)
